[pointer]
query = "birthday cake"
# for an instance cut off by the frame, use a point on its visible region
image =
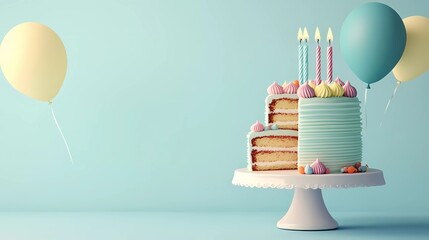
(318, 128)
(314, 127)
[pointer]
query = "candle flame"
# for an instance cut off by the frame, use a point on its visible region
(299, 35)
(317, 35)
(305, 34)
(330, 37)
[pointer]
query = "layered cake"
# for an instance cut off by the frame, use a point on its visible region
(272, 149)
(315, 127)
(275, 146)
(281, 107)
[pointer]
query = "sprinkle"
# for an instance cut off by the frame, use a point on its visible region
(351, 169)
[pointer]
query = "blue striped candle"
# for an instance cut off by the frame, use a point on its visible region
(305, 63)
(305, 57)
(300, 57)
(301, 63)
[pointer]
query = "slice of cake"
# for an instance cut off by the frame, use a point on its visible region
(275, 146)
(272, 149)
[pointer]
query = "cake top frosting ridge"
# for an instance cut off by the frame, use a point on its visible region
(315, 88)
(324, 90)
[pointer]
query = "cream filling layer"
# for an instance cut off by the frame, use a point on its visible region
(287, 123)
(269, 164)
(276, 149)
(290, 111)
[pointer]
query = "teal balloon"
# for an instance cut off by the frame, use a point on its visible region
(372, 41)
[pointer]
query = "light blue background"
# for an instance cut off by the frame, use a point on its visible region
(159, 97)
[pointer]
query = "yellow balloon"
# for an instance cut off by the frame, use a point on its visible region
(34, 61)
(415, 59)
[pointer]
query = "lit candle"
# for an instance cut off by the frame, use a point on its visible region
(330, 37)
(305, 57)
(318, 55)
(300, 56)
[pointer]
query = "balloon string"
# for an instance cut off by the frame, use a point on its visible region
(390, 100)
(61, 132)
(366, 114)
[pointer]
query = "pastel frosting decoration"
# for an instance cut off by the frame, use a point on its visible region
(338, 80)
(363, 168)
(323, 90)
(291, 88)
(318, 167)
(312, 84)
(257, 127)
(337, 90)
(317, 82)
(274, 89)
(305, 91)
(349, 90)
(308, 169)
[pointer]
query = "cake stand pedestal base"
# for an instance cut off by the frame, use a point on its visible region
(307, 212)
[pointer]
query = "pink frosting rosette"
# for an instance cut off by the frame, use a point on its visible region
(290, 88)
(274, 89)
(338, 80)
(257, 127)
(318, 167)
(317, 82)
(305, 91)
(349, 90)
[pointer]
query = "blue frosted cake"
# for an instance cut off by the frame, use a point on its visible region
(329, 125)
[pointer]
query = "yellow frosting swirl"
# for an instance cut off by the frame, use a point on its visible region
(337, 90)
(311, 84)
(323, 90)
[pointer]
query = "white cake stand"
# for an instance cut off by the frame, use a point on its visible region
(307, 210)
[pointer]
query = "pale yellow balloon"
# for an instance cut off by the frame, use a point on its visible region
(415, 59)
(34, 61)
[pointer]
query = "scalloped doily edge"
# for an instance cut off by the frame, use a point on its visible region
(292, 186)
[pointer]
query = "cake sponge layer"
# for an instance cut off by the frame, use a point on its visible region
(282, 117)
(277, 166)
(272, 150)
(282, 110)
(283, 103)
(284, 120)
(275, 141)
(287, 126)
(268, 156)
